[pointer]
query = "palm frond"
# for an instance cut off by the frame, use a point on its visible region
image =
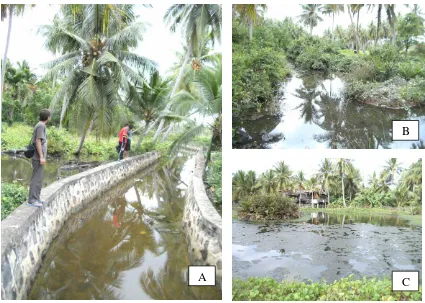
(185, 138)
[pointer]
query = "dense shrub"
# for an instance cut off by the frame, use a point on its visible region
(411, 69)
(385, 60)
(268, 207)
(414, 91)
(346, 289)
(12, 196)
(213, 176)
(259, 66)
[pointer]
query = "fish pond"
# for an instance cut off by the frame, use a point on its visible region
(326, 246)
(126, 244)
(313, 114)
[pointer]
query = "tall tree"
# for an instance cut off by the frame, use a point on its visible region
(8, 11)
(96, 64)
(311, 15)
(333, 9)
(252, 14)
(325, 172)
(283, 174)
(341, 168)
(197, 22)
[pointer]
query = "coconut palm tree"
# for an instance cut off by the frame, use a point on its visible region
(149, 101)
(268, 181)
(95, 69)
(299, 180)
(391, 17)
(390, 170)
(204, 99)
(197, 21)
(283, 174)
(341, 169)
(310, 16)
(244, 184)
(333, 9)
(252, 14)
(8, 11)
(325, 172)
(353, 180)
(354, 9)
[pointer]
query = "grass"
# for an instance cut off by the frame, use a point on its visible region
(346, 289)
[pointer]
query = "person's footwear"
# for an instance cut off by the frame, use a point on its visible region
(35, 204)
(42, 202)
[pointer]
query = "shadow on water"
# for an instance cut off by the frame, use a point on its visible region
(125, 245)
(314, 114)
(326, 246)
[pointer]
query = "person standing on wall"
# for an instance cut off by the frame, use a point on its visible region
(124, 142)
(39, 139)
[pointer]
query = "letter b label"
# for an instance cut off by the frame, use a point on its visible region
(406, 130)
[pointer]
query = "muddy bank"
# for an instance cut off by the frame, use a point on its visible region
(329, 247)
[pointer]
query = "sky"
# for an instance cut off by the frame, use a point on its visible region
(158, 44)
(279, 11)
(309, 164)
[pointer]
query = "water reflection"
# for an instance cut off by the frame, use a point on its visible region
(315, 115)
(125, 245)
(323, 218)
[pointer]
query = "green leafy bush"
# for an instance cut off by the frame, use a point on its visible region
(12, 196)
(414, 91)
(346, 289)
(268, 207)
(213, 175)
(411, 69)
(259, 66)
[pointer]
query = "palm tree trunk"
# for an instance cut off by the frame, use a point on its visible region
(9, 30)
(167, 133)
(64, 107)
(159, 130)
(333, 20)
(342, 187)
(142, 135)
(89, 125)
(352, 23)
(250, 29)
(176, 86)
(357, 32)
(311, 29)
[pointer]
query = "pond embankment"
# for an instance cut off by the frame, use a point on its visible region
(28, 232)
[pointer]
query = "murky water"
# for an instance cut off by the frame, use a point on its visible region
(19, 170)
(125, 245)
(315, 115)
(329, 246)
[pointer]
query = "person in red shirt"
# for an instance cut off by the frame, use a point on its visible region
(124, 142)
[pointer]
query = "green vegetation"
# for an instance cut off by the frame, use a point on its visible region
(383, 63)
(268, 207)
(12, 196)
(99, 82)
(346, 289)
(213, 177)
(339, 180)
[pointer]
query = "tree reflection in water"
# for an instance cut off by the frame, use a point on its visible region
(318, 102)
(124, 248)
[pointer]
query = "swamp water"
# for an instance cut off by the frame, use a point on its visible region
(329, 246)
(314, 115)
(126, 244)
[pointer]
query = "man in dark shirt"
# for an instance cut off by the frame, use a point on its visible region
(39, 138)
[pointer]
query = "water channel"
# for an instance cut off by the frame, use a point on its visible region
(314, 115)
(329, 246)
(127, 244)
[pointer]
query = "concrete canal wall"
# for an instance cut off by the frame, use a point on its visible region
(201, 223)
(27, 232)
